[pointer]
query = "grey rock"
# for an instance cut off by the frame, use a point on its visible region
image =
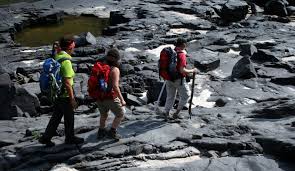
(244, 69)
(205, 60)
(276, 7)
(247, 49)
(154, 91)
(262, 56)
(276, 109)
(85, 39)
(233, 11)
(126, 69)
(291, 10)
(118, 17)
(134, 101)
(211, 154)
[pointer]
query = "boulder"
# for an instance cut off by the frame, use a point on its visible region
(33, 88)
(154, 92)
(16, 100)
(119, 17)
(278, 146)
(262, 56)
(85, 39)
(233, 11)
(110, 30)
(291, 10)
(276, 7)
(26, 101)
(260, 2)
(7, 91)
(205, 60)
(247, 49)
(276, 109)
(244, 69)
(134, 101)
(126, 69)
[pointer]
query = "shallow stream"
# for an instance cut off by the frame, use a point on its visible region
(71, 25)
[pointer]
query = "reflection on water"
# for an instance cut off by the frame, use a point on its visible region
(71, 25)
(5, 2)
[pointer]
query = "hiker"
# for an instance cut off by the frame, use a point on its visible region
(103, 85)
(55, 49)
(65, 103)
(175, 81)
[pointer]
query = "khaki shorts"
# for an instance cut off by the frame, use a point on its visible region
(113, 105)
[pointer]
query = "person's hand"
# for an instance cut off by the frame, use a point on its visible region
(195, 70)
(123, 103)
(74, 104)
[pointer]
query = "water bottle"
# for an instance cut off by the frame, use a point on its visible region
(102, 85)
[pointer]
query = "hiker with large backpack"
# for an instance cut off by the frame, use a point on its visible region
(103, 86)
(173, 69)
(56, 81)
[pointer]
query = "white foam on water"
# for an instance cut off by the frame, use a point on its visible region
(264, 41)
(62, 168)
(156, 52)
(18, 16)
(291, 58)
(29, 62)
(248, 101)
(219, 73)
(246, 88)
(32, 62)
(28, 51)
(178, 31)
(203, 32)
(137, 41)
(182, 16)
(100, 7)
(201, 100)
(284, 30)
(200, 80)
(144, 96)
(166, 163)
(132, 49)
(291, 24)
(231, 51)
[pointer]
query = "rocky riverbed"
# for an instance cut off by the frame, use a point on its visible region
(243, 115)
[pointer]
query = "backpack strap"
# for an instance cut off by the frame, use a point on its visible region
(62, 91)
(63, 59)
(181, 78)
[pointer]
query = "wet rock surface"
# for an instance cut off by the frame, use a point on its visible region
(243, 106)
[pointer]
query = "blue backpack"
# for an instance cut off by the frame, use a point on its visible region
(51, 79)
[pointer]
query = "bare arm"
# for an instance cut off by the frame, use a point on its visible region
(70, 92)
(69, 88)
(188, 71)
(115, 75)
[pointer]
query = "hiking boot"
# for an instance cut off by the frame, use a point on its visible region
(112, 133)
(102, 132)
(176, 116)
(74, 140)
(166, 116)
(47, 142)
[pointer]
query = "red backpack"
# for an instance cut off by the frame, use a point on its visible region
(99, 86)
(167, 64)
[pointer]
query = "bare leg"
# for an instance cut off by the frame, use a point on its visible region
(102, 120)
(117, 121)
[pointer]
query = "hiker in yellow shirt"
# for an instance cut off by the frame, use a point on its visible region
(66, 103)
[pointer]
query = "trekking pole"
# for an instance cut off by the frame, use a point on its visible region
(160, 95)
(192, 95)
